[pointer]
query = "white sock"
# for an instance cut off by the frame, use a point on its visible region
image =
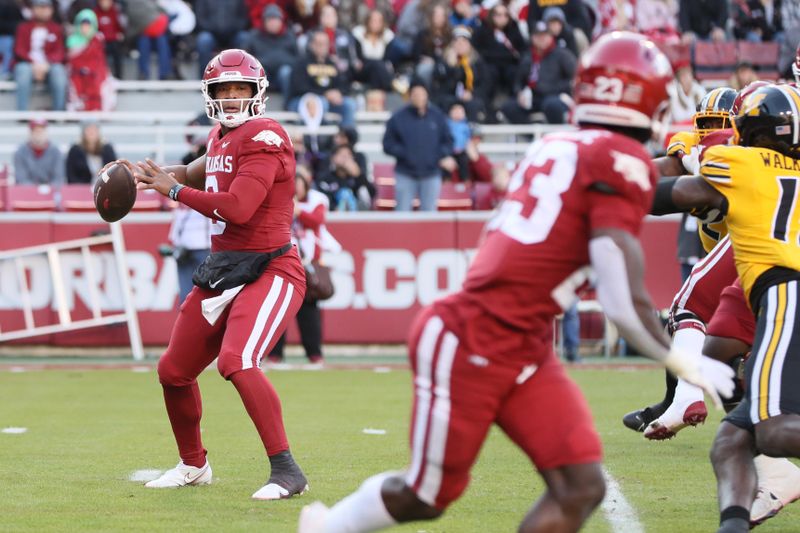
(779, 476)
(362, 511)
(689, 341)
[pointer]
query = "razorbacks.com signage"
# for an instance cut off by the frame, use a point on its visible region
(390, 265)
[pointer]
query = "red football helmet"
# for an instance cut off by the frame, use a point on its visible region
(622, 81)
(796, 65)
(744, 92)
(235, 65)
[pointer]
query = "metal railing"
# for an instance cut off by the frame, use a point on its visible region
(65, 322)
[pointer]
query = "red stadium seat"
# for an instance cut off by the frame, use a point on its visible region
(77, 197)
(384, 193)
(763, 56)
(454, 197)
(484, 196)
(715, 60)
(148, 201)
(31, 198)
(677, 53)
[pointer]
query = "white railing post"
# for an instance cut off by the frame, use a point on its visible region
(127, 295)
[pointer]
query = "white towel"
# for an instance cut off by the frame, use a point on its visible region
(213, 307)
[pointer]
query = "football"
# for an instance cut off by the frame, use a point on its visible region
(115, 193)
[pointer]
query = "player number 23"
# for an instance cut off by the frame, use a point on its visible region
(548, 173)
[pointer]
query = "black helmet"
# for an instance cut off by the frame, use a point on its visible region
(770, 118)
(714, 111)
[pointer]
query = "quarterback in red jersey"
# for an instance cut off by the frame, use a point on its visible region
(484, 355)
(252, 284)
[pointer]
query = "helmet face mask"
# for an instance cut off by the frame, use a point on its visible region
(714, 111)
(234, 66)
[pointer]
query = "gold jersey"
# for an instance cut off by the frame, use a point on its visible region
(763, 219)
(681, 143)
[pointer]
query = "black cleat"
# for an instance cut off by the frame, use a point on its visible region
(286, 480)
(639, 420)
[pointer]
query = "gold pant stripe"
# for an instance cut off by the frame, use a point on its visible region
(769, 357)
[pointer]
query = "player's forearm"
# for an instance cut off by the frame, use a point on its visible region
(192, 175)
(238, 205)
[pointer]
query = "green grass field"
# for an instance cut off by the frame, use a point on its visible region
(88, 431)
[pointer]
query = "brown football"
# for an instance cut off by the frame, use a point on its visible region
(115, 193)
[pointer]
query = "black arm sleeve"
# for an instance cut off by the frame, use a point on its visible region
(663, 203)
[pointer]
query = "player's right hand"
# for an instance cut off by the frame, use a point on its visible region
(714, 377)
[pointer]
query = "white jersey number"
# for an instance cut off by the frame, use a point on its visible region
(217, 225)
(547, 171)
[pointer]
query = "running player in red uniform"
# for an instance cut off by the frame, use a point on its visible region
(484, 355)
(253, 283)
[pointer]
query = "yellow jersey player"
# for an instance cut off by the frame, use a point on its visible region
(756, 183)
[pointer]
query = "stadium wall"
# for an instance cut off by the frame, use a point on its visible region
(391, 264)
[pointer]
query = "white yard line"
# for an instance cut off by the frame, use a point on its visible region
(617, 509)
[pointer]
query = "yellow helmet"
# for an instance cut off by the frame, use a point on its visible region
(714, 111)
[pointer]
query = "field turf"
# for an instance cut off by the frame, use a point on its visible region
(89, 430)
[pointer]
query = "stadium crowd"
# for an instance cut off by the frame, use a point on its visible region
(495, 61)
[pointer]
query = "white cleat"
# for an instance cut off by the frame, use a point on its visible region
(273, 491)
(778, 486)
(313, 518)
(181, 476)
(765, 506)
(675, 418)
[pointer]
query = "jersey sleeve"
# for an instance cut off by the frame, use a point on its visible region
(263, 143)
(681, 143)
(620, 187)
(726, 169)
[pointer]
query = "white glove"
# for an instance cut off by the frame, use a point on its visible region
(691, 161)
(714, 377)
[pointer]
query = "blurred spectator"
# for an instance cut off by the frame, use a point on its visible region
(343, 46)
(373, 36)
(221, 24)
(316, 73)
(10, 17)
(756, 20)
(703, 19)
(273, 44)
(561, 31)
(86, 158)
(190, 235)
(790, 18)
(418, 137)
(182, 22)
(38, 162)
(109, 23)
(575, 11)
(658, 19)
(354, 12)
(464, 14)
(349, 136)
(40, 52)
(91, 87)
(344, 182)
(308, 230)
(543, 81)
(411, 20)
(461, 77)
(690, 247)
(743, 76)
(430, 43)
(684, 93)
(616, 15)
(461, 133)
(148, 24)
(500, 44)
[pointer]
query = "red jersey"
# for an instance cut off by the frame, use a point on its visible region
(248, 152)
(535, 252)
(249, 191)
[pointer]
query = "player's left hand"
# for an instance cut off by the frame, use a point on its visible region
(714, 377)
(148, 175)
